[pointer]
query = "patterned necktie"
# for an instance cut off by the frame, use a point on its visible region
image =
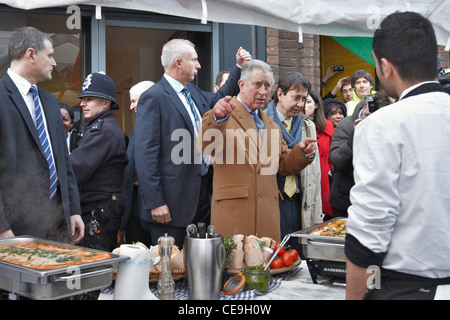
(259, 123)
(205, 158)
(290, 186)
(42, 133)
(187, 94)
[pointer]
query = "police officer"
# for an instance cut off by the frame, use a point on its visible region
(99, 162)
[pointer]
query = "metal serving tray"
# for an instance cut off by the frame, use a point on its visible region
(55, 283)
(321, 247)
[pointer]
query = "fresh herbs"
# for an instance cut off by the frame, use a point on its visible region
(229, 246)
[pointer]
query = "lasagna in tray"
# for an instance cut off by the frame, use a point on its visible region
(38, 255)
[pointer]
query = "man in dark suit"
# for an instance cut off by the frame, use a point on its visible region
(38, 191)
(173, 176)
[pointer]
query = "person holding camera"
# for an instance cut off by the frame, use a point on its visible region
(344, 84)
(341, 152)
(362, 84)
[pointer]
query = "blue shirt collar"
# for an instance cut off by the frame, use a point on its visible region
(175, 84)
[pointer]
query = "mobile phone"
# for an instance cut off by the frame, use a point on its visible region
(339, 68)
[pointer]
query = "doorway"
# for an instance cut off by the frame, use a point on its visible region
(134, 54)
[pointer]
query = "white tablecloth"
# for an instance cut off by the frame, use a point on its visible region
(301, 287)
(292, 285)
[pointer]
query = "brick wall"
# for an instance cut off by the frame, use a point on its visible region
(444, 57)
(286, 54)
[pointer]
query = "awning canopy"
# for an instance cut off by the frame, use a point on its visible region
(347, 18)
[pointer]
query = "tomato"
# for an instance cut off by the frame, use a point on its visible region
(276, 264)
(288, 259)
(281, 252)
(294, 254)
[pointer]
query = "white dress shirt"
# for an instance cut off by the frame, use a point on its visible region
(177, 86)
(24, 89)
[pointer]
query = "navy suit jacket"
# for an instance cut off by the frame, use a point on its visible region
(128, 182)
(24, 173)
(160, 114)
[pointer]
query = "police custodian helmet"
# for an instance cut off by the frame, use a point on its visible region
(99, 85)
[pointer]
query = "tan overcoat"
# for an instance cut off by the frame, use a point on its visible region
(245, 192)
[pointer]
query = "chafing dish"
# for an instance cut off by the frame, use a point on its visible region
(324, 254)
(321, 247)
(55, 283)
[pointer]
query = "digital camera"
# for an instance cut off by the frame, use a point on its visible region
(444, 78)
(372, 102)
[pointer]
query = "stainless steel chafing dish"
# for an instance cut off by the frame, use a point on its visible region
(321, 247)
(324, 255)
(55, 283)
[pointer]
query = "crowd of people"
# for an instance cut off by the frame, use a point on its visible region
(243, 158)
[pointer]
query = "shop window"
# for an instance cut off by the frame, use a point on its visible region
(66, 78)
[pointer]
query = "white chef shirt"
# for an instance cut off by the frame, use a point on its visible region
(401, 198)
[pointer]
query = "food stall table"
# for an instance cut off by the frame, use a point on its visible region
(301, 287)
(295, 284)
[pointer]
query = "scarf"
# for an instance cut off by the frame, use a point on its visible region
(295, 136)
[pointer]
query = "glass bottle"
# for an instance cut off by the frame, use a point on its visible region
(166, 285)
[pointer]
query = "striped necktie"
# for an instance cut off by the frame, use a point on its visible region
(290, 186)
(205, 158)
(187, 94)
(42, 133)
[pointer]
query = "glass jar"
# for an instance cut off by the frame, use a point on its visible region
(256, 278)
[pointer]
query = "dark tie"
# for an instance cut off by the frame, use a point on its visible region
(187, 94)
(258, 122)
(42, 133)
(205, 158)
